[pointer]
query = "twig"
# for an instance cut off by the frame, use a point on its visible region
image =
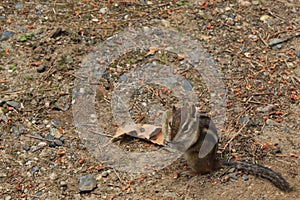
(38, 138)
(119, 177)
(39, 148)
(275, 15)
(265, 43)
(235, 135)
(284, 40)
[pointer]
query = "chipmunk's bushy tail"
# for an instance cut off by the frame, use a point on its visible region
(263, 172)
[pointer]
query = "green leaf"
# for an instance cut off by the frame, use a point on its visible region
(13, 68)
(23, 38)
(30, 35)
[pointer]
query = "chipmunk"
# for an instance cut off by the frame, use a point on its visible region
(197, 136)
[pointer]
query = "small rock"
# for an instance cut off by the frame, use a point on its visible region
(268, 108)
(19, 6)
(186, 85)
(53, 176)
(244, 3)
(22, 129)
(8, 198)
(35, 169)
(104, 10)
(38, 193)
(170, 195)
(55, 133)
(58, 143)
(298, 54)
(26, 148)
(87, 183)
(165, 23)
(275, 43)
(245, 177)
(231, 170)
(52, 144)
(233, 176)
(245, 119)
(56, 124)
(15, 131)
(267, 19)
(62, 139)
(63, 184)
(37, 136)
(6, 35)
(13, 104)
(3, 175)
(49, 137)
(227, 8)
(42, 144)
(41, 68)
(104, 174)
(271, 122)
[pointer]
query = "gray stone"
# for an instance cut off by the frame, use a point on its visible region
(87, 183)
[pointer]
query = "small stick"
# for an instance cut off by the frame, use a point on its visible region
(265, 43)
(119, 177)
(235, 135)
(38, 138)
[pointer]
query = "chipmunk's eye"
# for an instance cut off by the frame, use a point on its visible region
(170, 123)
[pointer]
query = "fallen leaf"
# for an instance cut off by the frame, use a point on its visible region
(151, 51)
(147, 132)
(180, 57)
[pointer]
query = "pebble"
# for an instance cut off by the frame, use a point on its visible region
(15, 131)
(265, 18)
(41, 69)
(62, 139)
(298, 54)
(63, 184)
(104, 10)
(35, 169)
(186, 85)
(165, 23)
(87, 183)
(245, 177)
(13, 104)
(42, 144)
(26, 148)
(245, 119)
(49, 137)
(55, 133)
(268, 108)
(53, 176)
(6, 35)
(104, 174)
(8, 198)
(275, 43)
(244, 3)
(231, 170)
(58, 143)
(52, 144)
(56, 124)
(19, 6)
(271, 122)
(233, 176)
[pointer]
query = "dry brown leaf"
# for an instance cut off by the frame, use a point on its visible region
(147, 132)
(151, 51)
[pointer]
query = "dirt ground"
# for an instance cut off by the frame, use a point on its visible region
(255, 45)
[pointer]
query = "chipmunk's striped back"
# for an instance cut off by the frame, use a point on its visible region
(181, 128)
